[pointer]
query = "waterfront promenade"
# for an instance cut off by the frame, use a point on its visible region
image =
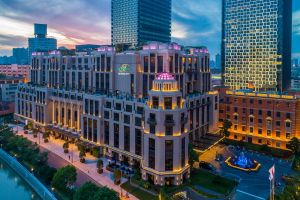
(86, 171)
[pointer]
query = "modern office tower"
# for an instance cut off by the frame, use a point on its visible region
(256, 44)
(295, 62)
(20, 55)
(135, 106)
(218, 61)
(135, 22)
(40, 42)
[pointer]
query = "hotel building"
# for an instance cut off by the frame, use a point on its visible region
(256, 44)
(137, 106)
(260, 118)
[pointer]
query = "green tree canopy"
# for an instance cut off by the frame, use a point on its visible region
(193, 156)
(226, 126)
(90, 191)
(64, 178)
(294, 145)
(86, 191)
(106, 194)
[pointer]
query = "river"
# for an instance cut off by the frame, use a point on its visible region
(13, 187)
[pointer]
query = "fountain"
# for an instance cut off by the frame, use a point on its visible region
(242, 162)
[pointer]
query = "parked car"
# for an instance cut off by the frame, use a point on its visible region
(206, 166)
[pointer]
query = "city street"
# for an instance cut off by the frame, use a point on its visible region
(254, 185)
(86, 171)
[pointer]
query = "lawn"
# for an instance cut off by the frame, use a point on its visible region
(140, 194)
(212, 182)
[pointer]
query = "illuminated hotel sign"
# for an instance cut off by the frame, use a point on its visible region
(124, 69)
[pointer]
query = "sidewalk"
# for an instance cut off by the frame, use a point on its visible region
(89, 167)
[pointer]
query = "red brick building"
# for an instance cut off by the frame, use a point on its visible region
(260, 118)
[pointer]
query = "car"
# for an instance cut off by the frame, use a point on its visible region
(206, 166)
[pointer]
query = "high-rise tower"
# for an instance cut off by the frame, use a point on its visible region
(256, 44)
(135, 22)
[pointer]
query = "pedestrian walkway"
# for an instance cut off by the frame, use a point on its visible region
(89, 167)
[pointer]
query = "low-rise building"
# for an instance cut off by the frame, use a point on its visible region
(8, 87)
(16, 70)
(260, 118)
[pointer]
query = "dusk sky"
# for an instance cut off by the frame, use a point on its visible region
(194, 22)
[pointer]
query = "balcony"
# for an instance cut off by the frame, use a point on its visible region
(151, 121)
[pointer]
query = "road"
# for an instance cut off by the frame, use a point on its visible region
(254, 185)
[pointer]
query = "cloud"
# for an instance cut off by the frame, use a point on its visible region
(296, 22)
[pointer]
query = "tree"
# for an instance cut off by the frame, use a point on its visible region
(82, 156)
(46, 136)
(35, 132)
(225, 128)
(100, 166)
(64, 178)
(105, 193)
(193, 156)
(66, 147)
(294, 145)
(86, 191)
(117, 176)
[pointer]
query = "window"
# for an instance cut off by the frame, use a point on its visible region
(151, 153)
(127, 119)
(251, 101)
(268, 132)
(251, 111)
(288, 115)
(251, 119)
(259, 121)
(169, 130)
(278, 134)
(259, 141)
(116, 117)
(260, 131)
(126, 138)
(140, 110)
(251, 129)
(288, 124)
(108, 104)
(288, 135)
(155, 102)
(235, 127)
(116, 135)
(259, 112)
(277, 114)
(278, 144)
(244, 110)
(168, 102)
(277, 123)
(169, 155)
(182, 152)
(235, 109)
(138, 121)
(269, 113)
(128, 108)
(118, 106)
(260, 101)
(138, 142)
(243, 128)
(235, 137)
(236, 117)
(106, 114)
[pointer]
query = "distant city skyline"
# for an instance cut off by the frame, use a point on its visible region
(194, 22)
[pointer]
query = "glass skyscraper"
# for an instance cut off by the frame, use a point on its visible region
(256, 44)
(135, 22)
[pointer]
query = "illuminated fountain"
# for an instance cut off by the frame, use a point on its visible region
(242, 162)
